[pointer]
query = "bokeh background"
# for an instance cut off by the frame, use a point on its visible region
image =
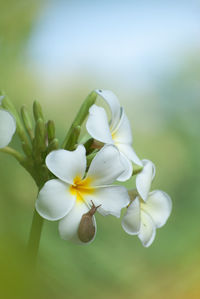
(147, 52)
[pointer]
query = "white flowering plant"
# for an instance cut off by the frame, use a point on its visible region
(77, 178)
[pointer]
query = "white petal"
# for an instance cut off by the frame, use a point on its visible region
(147, 230)
(129, 152)
(145, 161)
(67, 165)
(106, 166)
(131, 219)
(128, 169)
(7, 128)
(158, 206)
(114, 105)
(144, 179)
(68, 226)
(1, 99)
(112, 199)
(122, 132)
(97, 125)
(54, 200)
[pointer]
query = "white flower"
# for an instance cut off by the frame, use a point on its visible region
(73, 193)
(7, 126)
(149, 210)
(117, 132)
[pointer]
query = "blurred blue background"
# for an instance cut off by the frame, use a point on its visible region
(147, 52)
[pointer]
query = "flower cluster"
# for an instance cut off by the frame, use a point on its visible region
(78, 179)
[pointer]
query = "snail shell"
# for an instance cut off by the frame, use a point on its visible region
(86, 230)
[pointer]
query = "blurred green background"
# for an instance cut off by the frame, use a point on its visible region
(148, 54)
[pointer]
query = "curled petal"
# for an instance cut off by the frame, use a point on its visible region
(123, 133)
(114, 105)
(105, 167)
(131, 220)
(54, 200)
(147, 230)
(128, 169)
(69, 225)
(7, 128)
(97, 125)
(129, 152)
(145, 161)
(158, 206)
(144, 179)
(67, 165)
(111, 199)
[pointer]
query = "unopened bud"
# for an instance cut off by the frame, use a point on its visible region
(53, 145)
(40, 140)
(37, 111)
(51, 130)
(74, 138)
(27, 122)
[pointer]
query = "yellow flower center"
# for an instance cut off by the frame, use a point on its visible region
(81, 187)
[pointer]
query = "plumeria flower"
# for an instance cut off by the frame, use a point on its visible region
(7, 126)
(148, 210)
(74, 193)
(117, 131)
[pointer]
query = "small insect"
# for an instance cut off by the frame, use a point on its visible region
(86, 230)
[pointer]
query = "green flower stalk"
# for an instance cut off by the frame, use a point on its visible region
(79, 119)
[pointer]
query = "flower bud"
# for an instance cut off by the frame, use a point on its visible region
(39, 142)
(37, 111)
(74, 138)
(51, 130)
(53, 145)
(27, 122)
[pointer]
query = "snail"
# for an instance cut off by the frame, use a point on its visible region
(86, 230)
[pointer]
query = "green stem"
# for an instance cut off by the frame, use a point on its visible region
(80, 117)
(12, 152)
(34, 239)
